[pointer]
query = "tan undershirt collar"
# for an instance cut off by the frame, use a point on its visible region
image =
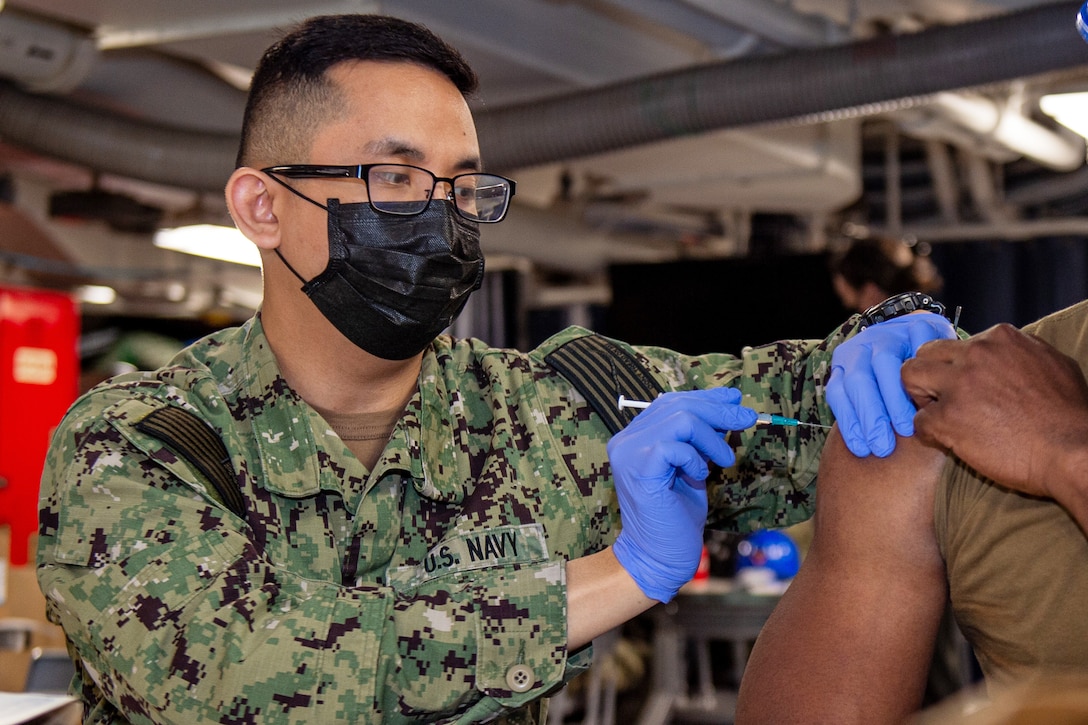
(365, 434)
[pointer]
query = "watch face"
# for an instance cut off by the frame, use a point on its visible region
(898, 306)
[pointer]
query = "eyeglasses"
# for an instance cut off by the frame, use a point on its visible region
(407, 190)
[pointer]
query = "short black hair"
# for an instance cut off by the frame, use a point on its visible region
(290, 92)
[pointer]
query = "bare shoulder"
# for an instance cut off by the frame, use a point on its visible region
(841, 472)
(881, 499)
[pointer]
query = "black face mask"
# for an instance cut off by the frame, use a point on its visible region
(393, 283)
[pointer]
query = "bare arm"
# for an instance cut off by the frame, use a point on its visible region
(852, 638)
(601, 595)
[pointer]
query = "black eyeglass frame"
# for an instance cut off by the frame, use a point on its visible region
(362, 172)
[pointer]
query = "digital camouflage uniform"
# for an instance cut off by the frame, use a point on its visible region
(431, 588)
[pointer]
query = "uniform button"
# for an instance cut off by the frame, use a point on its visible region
(520, 678)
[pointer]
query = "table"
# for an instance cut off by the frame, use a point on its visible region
(704, 611)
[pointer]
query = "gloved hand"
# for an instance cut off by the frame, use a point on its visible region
(659, 462)
(865, 391)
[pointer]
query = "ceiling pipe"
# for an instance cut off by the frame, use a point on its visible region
(1012, 230)
(989, 124)
(781, 87)
(983, 189)
(715, 96)
(893, 182)
(942, 171)
(1045, 190)
(1001, 130)
(115, 144)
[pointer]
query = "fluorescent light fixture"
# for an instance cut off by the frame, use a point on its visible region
(1068, 109)
(96, 294)
(209, 240)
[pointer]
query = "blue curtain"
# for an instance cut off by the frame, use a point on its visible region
(1015, 282)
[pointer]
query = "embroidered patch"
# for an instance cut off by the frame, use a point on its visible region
(499, 546)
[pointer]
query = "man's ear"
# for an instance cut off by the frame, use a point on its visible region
(250, 205)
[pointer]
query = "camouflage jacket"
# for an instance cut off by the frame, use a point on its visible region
(430, 588)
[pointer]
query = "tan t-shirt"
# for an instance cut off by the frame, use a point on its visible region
(1018, 565)
(365, 434)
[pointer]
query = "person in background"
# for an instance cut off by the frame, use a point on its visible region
(413, 527)
(872, 269)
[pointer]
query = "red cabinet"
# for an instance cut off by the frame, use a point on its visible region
(39, 379)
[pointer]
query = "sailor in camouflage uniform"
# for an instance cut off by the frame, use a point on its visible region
(425, 525)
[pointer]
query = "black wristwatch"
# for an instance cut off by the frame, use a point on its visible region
(899, 305)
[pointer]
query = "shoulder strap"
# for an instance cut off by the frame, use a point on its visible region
(195, 441)
(602, 371)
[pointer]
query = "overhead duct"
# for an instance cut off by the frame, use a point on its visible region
(780, 87)
(115, 144)
(47, 57)
(695, 100)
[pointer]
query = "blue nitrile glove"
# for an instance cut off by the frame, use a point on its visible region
(865, 391)
(659, 462)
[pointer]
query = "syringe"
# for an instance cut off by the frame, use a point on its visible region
(771, 419)
(761, 418)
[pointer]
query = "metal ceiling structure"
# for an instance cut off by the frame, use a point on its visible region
(638, 130)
